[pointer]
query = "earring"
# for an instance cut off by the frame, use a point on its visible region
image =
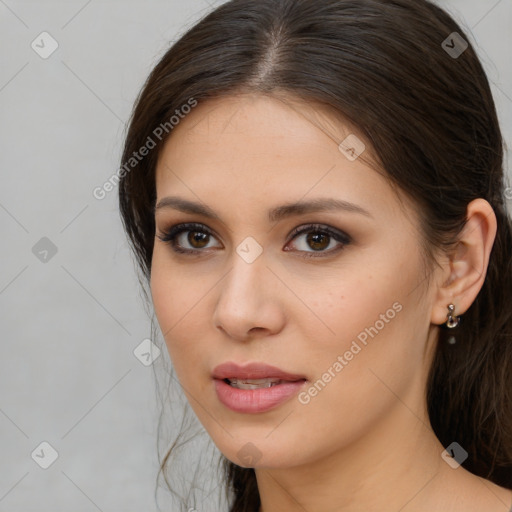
(453, 321)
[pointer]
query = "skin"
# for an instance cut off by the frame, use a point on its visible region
(364, 442)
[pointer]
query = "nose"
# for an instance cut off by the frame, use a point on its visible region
(250, 302)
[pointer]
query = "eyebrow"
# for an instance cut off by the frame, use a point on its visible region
(274, 215)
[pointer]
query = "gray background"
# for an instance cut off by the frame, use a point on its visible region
(70, 324)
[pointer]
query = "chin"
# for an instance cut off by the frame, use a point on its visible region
(250, 452)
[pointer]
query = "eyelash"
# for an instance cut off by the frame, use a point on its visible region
(172, 233)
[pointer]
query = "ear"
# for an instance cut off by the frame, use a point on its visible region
(466, 268)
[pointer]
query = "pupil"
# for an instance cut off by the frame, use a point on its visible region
(315, 241)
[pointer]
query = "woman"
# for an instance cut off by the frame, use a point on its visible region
(319, 210)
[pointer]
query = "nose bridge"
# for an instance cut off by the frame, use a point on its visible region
(244, 300)
(248, 273)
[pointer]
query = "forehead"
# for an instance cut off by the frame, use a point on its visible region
(259, 116)
(252, 147)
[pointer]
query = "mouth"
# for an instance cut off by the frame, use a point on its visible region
(255, 387)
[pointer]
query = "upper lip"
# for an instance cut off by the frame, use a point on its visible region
(232, 370)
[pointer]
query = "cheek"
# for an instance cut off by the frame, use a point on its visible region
(179, 303)
(369, 333)
(163, 291)
(369, 326)
(360, 306)
(378, 333)
(169, 299)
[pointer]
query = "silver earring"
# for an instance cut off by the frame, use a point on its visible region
(453, 321)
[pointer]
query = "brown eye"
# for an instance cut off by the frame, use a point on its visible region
(198, 239)
(318, 241)
(187, 238)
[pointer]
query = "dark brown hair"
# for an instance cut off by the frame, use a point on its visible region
(431, 120)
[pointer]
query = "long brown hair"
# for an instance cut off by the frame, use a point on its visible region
(397, 71)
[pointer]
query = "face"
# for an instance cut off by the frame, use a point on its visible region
(333, 297)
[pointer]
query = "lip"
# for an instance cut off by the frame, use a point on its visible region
(251, 401)
(232, 370)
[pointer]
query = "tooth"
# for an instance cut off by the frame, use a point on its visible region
(253, 383)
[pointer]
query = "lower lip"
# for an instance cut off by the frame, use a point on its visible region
(256, 400)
